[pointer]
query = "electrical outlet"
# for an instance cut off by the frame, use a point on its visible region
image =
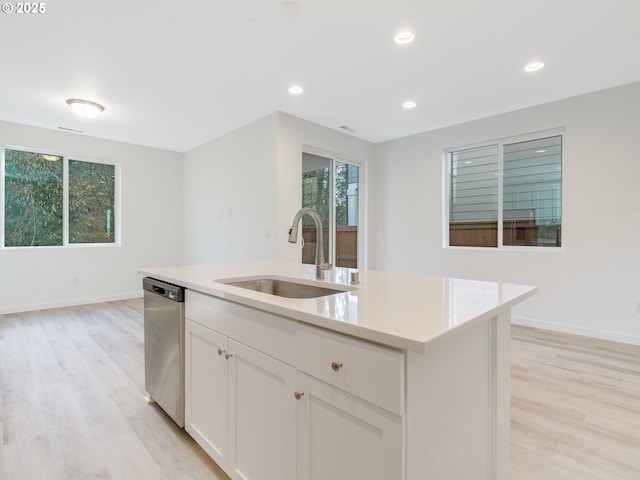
(75, 280)
(637, 307)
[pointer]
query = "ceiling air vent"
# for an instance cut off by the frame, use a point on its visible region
(347, 129)
(70, 130)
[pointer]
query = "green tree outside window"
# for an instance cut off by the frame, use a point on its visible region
(34, 200)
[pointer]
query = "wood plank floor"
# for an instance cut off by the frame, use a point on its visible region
(575, 407)
(72, 406)
(72, 401)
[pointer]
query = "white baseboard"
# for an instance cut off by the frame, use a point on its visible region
(576, 330)
(68, 303)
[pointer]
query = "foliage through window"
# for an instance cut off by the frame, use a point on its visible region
(506, 194)
(52, 200)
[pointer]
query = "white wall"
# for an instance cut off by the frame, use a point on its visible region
(247, 183)
(35, 278)
(592, 286)
(230, 198)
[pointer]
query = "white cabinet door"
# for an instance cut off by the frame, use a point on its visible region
(341, 437)
(262, 416)
(206, 372)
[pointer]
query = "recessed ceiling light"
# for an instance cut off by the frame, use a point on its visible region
(409, 104)
(85, 108)
(533, 67)
(402, 38)
(295, 90)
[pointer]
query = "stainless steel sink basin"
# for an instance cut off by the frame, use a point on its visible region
(283, 288)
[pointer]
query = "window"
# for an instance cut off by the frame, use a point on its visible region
(331, 187)
(507, 193)
(51, 200)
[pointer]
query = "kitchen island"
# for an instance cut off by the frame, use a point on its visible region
(397, 377)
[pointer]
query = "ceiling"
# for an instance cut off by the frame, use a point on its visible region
(174, 75)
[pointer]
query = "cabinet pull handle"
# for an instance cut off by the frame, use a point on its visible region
(220, 351)
(298, 394)
(336, 366)
(228, 355)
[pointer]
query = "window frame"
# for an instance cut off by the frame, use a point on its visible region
(500, 143)
(65, 202)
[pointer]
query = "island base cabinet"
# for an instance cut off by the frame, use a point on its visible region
(458, 409)
(295, 402)
(206, 376)
(341, 437)
(262, 430)
(240, 406)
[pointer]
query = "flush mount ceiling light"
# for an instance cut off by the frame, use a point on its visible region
(402, 38)
(409, 104)
(533, 67)
(85, 108)
(295, 90)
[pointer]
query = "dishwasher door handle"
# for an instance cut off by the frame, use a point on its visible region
(159, 290)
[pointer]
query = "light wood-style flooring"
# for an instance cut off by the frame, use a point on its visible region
(72, 403)
(575, 407)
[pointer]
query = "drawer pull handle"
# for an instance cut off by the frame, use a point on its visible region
(228, 355)
(220, 351)
(298, 394)
(336, 366)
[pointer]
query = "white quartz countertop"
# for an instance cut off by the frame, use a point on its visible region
(407, 312)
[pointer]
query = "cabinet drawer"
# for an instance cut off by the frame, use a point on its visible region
(369, 371)
(262, 331)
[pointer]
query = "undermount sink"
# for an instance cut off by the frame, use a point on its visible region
(283, 288)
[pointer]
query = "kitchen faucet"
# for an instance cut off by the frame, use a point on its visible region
(321, 265)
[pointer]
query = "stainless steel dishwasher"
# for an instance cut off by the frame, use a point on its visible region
(164, 346)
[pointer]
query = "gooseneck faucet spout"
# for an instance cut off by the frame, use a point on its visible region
(321, 265)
